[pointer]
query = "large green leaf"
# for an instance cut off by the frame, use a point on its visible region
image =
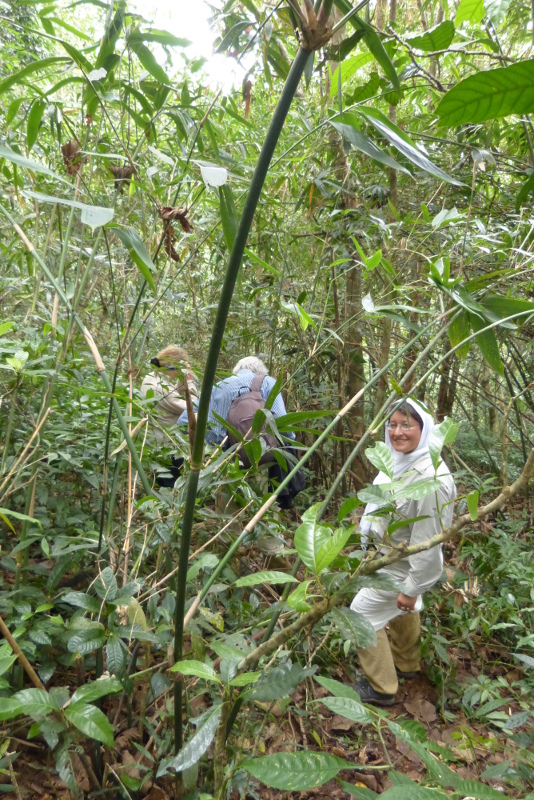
(437, 38)
(310, 537)
(442, 434)
(295, 772)
(337, 688)
(29, 69)
(353, 627)
(361, 142)
(507, 306)
(99, 688)
(138, 252)
(87, 640)
(359, 792)
(279, 682)
(161, 37)
(94, 216)
(333, 547)
(417, 490)
(404, 144)
(470, 11)
(9, 708)
(82, 600)
(487, 341)
(490, 94)
(106, 585)
(268, 576)
(381, 457)
(90, 721)
(195, 747)
(35, 703)
(196, 668)
(480, 791)
(348, 708)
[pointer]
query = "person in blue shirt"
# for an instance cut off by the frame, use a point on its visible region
(225, 392)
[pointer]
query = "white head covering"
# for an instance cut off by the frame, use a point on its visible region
(402, 462)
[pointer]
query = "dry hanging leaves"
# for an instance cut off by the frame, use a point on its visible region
(122, 176)
(168, 214)
(72, 157)
(247, 89)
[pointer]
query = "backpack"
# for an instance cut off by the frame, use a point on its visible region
(241, 415)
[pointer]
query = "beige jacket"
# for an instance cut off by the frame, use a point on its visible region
(168, 401)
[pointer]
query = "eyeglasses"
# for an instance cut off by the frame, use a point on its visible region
(404, 426)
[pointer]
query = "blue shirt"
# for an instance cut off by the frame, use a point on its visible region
(223, 395)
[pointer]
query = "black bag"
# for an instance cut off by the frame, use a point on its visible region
(296, 484)
(241, 415)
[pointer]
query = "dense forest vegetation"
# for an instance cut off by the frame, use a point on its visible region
(357, 214)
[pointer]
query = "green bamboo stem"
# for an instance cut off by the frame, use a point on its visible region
(232, 271)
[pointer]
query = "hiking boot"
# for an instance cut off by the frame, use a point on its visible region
(407, 675)
(370, 695)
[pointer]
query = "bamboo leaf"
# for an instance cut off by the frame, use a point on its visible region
(460, 329)
(361, 142)
(295, 772)
(347, 69)
(162, 37)
(34, 122)
(437, 38)
(90, 721)
(195, 747)
(265, 577)
(138, 252)
(404, 144)
(94, 216)
(487, 341)
(12, 111)
(29, 69)
(490, 94)
(25, 163)
(148, 61)
(16, 515)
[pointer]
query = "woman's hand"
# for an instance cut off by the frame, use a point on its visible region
(406, 603)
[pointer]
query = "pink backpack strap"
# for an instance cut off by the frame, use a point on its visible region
(256, 384)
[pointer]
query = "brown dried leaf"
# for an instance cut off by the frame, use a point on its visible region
(124, 740)
(72, 158)
(122, 176)
(168, 213)
(422, 710)
(340, 723)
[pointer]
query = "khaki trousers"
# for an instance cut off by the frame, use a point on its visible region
(403, 650)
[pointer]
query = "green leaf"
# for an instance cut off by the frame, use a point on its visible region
(269, 576)
(404, 144)
(232, 36)
(12, 110)
(34, 122)
(348, 708)
(267, 267)
(36, 703)
(359, 792)
(528, 660)
(6, 663)
(106, 585)
(25, 163)
(480, 791)
(94, 216)
(310, 537)
(347, 506)
(470, 11)
(9, 708)
(229, 219)
(196, 668)
(347, 69)
(161, 37)
(488, 344)
(148, 61)
(245, 679)
(353, 627)
(417, 490)
(99, 688)
(361, 142)
(278, 682)
(87, 640)
(138, 252)
(413, 792)
(29, 69)
(437, 771)
(381, 457)
(333, 547)
(195, 747)
(490, 94)
(6, 512)
(115, 655)
(90, 721)
(338, 689)
(437, 38)
(297, 600)
(460, 329)
(507, 306)
(472, 504)
(442, 434)
(295, 772)
(82, 600)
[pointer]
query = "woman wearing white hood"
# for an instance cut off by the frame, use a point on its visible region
(407, 435)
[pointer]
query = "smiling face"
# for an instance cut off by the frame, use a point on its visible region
(403, 439)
